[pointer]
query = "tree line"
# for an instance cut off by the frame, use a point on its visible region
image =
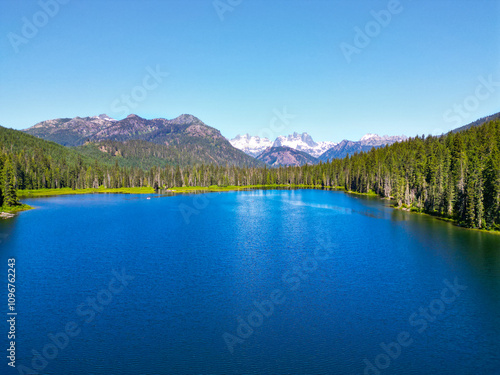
(456, 175)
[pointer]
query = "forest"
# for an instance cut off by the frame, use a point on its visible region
(456, 175)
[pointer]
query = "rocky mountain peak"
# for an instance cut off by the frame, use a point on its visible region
(186, 119)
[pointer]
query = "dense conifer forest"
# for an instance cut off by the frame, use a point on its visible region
(456, 175)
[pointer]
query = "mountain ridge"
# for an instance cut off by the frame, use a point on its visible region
(478, 122)
(286, 156)
(254, 145)
(186, 136)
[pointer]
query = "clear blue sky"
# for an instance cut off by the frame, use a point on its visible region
(262, 56)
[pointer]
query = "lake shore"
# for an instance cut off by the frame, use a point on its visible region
(10, 212)
(214, 189)
(35, 193)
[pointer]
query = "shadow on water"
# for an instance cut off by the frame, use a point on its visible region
(475, 252)
(6, 228)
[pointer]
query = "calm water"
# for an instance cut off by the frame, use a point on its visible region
(292, 282)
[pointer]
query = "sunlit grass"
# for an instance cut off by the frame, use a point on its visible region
(68, 191)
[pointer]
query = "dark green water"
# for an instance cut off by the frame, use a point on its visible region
(259, 282)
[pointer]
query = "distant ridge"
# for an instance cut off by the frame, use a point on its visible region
(286, 156)
(254, 146)
(479, 122)
(365, 144)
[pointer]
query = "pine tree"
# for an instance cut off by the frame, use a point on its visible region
(8, 184)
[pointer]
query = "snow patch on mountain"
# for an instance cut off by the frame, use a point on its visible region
(104, 117)
(376, 140)
(252, 146)
(368, 136)
(303, 142)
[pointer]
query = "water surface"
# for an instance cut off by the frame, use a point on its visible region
(350, 275)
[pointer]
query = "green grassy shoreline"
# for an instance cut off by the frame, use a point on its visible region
(8, 212)
(149, 190)
(68, 191)
(211, 189)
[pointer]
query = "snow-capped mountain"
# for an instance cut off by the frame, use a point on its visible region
(104, 117)
(303, 142)
(376, 140)
(252, 146)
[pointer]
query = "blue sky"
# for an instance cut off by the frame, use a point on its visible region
(433, 66)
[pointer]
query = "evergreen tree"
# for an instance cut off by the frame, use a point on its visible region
(8, 184)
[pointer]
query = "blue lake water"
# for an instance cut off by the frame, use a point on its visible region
(257, 282)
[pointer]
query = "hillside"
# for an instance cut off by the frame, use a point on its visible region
(479, 122)
(343, 149)
(17, 142)
(276, 156)
(185, 140)
(146, 155)
(365, 144)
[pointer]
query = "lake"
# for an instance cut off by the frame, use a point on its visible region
(254, 282)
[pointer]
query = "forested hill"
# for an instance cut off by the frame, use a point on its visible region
(17, 143)
(456, 175)
(479, 122)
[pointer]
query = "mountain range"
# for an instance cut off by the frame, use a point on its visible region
(185, 140)
(321, 151)
(254, 145)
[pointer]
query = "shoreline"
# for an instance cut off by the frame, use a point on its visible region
(38, 193)
(10, 212)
